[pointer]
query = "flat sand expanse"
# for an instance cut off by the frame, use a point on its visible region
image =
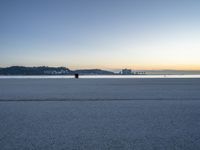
(135, 114)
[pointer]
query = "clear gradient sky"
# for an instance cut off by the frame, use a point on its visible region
(106, 34)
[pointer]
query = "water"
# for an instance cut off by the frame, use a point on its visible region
(98, 76)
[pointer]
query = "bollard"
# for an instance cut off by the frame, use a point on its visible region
(76, 75)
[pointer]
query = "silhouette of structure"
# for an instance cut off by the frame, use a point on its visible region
(76, 75)
(126, 71)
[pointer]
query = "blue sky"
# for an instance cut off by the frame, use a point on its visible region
(106, 34)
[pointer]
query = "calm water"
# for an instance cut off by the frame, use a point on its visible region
(100, 76)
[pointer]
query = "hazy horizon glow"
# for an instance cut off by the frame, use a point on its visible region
(106, 34)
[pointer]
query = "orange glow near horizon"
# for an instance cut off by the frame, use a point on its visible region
(141, 67)
(189, 67)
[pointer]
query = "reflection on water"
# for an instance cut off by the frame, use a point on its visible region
(99, 76)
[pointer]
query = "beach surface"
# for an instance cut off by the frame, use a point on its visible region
(96, 114)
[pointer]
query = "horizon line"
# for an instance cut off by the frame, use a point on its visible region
(114, 69)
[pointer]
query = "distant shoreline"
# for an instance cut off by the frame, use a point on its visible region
(52, 71)
(45, 70)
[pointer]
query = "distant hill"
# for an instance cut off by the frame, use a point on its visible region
(93, 72)
(43, 70)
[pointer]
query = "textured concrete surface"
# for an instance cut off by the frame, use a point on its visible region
(100, 114)
(108, 89)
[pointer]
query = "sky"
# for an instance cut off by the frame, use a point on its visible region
(105, 34)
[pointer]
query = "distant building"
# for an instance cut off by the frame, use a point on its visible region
(139, 73)
(126, 72)
(56, 72)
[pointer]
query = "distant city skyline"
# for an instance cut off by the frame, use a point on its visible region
(104, 34)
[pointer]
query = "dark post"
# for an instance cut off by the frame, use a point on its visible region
(76, 75)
